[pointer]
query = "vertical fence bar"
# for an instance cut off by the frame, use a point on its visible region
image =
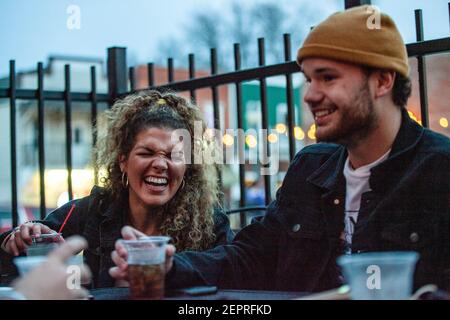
(170, 70)
(151, 74)
(12, 119)
(215, 95)
(241, 136)
(94, 122)
(215, 98)
(289, 97)
(68, 112)
(41, 149)
(132, 78)
(265, 121)
(421, 66)
(117, 72)
(192, 76)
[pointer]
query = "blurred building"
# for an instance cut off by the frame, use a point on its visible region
(54, 134)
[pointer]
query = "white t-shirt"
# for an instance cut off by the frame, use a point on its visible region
(357, 182)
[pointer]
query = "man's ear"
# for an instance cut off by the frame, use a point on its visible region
(384, 82)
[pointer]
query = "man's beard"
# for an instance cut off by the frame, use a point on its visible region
(357, 120)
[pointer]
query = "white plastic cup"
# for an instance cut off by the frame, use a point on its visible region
(380, 275)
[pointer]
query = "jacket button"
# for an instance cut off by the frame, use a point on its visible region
(296, 227)
(414, 237)
(336, 201)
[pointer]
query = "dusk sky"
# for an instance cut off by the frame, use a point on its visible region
(31, 30)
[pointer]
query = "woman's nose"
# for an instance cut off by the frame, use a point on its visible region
(160, 163)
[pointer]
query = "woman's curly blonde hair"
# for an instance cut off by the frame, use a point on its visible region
(188, 216)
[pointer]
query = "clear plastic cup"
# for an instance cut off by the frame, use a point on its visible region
(379, 275)
(26, 264)
(46, 238)
(146, 266)
(43, 244)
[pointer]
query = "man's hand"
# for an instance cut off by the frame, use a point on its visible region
(20, 238)
(119, 256)
(50, 280)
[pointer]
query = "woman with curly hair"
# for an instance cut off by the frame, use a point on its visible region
(150, 185)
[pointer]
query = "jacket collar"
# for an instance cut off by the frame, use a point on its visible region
(330, 173)
(407, 137)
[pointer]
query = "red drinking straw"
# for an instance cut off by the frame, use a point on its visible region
(67, 218)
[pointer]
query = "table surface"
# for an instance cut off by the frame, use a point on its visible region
(123, 294)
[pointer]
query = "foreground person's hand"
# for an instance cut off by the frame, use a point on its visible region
(51, 279)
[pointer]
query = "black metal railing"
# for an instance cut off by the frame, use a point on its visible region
(119, 77)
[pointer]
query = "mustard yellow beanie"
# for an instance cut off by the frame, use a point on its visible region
(355, 36)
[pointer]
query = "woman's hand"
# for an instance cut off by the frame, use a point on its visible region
(20, 238)
(119, 256)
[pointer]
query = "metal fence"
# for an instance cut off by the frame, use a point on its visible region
(119, 76)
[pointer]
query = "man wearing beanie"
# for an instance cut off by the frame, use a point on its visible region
(376, 181)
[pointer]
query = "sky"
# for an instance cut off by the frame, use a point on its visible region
(31, 30)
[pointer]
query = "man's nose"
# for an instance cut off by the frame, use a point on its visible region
(313, 93)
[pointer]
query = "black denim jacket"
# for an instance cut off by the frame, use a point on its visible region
(99, 220)
(295, 246)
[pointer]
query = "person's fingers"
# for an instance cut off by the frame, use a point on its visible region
(113, 272)
(25, 235)
(120, 248)
(130, 233)
(59, 238)
(72, 246)
(121, 283)
(36, 229)
(39, 228)
(118, 274)
(79, 293)
(21, 246)
(119, 261)
(170, 251)
(86, 274)
(11, 246)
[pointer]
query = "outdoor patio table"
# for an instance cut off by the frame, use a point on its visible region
(123, 294)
